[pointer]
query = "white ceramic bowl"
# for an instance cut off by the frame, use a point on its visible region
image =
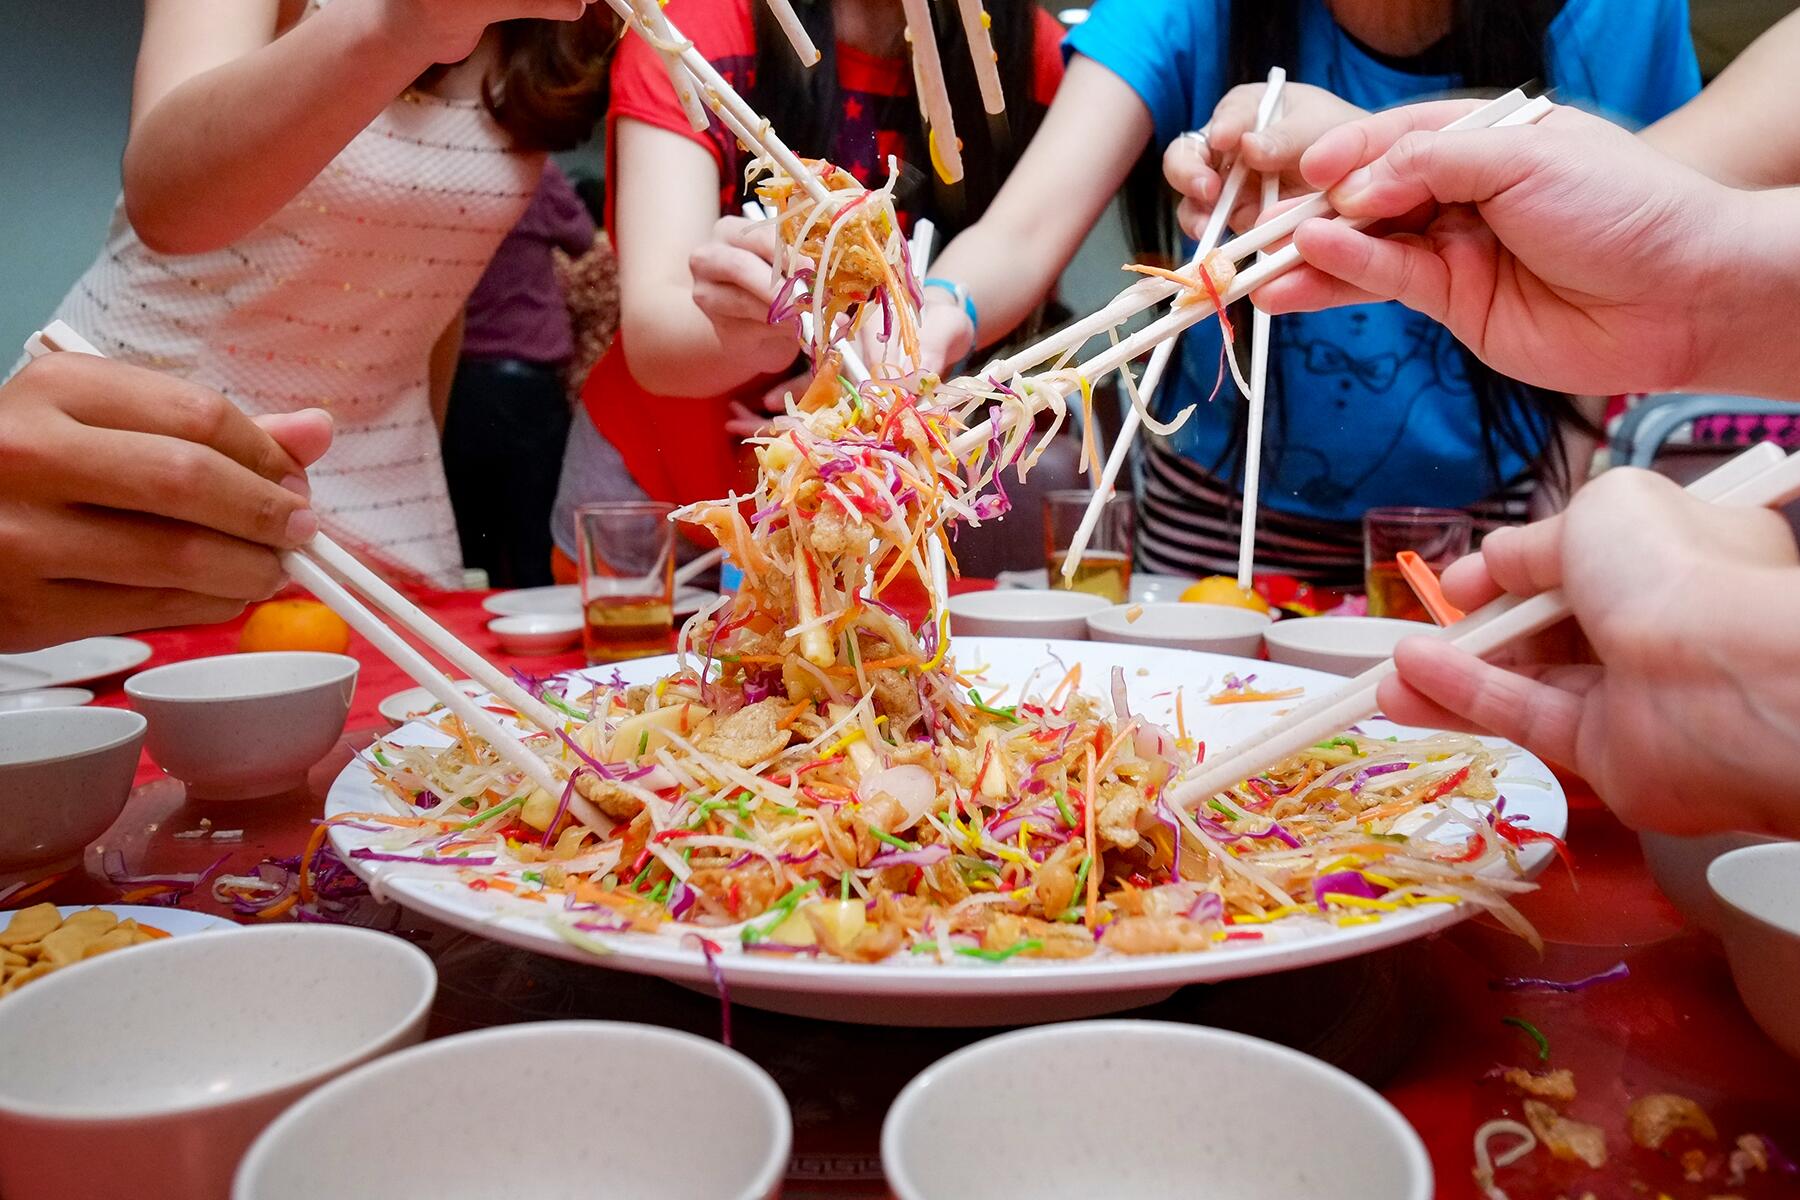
(1172, 1125)
(244, 725)
(149, 1073)
(65, 774)
(1678, 864)
(58, 697)
(1758, 889)
(1025, 614)
(1220, 628)
(720, 1131)
(1340, 645)
(536, 633)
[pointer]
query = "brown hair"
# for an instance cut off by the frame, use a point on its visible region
(548, 89)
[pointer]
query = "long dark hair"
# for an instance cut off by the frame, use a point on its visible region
(548, 86)
(1490, 46)
(803, 103)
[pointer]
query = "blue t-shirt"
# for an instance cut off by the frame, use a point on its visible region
(1375, 406)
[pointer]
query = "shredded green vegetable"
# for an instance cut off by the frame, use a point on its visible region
(1005, 714)
(1533, 1032)
(1000, 955)
(560, 705)
(778, 912)
(482, 818)
(1062, 806)
(890, 839)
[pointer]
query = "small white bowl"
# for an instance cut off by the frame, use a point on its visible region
(536, 633)
(1172, 1124)
(1678, 864)
(60, 697)
(65, 774)
(1758, 889)
(1220, 628)
(1340, 645)
(723, 1133)
(149, 1073)
(240, 726)
(1025, 614)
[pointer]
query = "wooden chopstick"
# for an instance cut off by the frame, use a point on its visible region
(1262, 336)
(1159, 358)
(934, 95)
(1180, 319)
(1751, 479)
(749, 126)
(312, 567)
(1148, 292)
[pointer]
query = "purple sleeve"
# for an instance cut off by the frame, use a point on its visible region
(566, 221)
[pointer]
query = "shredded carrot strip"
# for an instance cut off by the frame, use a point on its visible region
(144, 893)
(152, 931)
(279, 909)
(793, 714)
(307, 855)
(455, 726)
(1253, 697)
(1180, 717)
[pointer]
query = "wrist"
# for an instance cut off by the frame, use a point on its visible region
(1748, 289)
(383, 31)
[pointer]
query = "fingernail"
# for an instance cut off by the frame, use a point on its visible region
(302, 526)
(1354, 182)
(299, 485)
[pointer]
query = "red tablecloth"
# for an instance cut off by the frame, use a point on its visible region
(1420, 1022)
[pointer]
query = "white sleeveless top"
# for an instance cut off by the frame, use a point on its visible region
(336, 302)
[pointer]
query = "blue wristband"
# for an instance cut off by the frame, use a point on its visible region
(960, 294)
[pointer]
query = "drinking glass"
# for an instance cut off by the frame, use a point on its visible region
(1105, 568)
(1440, 536)
(627, 551)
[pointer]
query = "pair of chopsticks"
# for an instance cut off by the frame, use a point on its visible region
(329, 571)
(1159, 360)
(1760, 477)
(1512, 109)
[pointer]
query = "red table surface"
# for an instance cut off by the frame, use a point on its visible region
(1419, 1022)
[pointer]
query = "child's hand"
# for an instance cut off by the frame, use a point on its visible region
(735, 286)
(449, 29)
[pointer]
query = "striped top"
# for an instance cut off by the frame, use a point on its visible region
(336, 302)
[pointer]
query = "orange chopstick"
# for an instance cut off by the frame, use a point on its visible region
(1425, 586)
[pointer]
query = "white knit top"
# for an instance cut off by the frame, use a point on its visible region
(336, 302)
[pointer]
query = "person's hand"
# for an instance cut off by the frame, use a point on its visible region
(1196, 166)
(946, 336)
(131, 500)
(1678, 695)
(753, 421)
(735, 286)
(448, 30)
(1567, 254)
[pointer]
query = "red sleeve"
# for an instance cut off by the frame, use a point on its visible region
(1046, 51)
(721, 30)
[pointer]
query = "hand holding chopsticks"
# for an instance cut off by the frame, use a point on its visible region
(329, 572)
(1759, 477)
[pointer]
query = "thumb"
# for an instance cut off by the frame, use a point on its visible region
(305, 435)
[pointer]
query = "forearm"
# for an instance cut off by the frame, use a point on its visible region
(1011, 258)
(223, 151)
(672, 348)
(1748, 297)
(1742, 130)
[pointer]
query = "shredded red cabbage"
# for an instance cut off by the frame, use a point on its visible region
(1368, 773)
(922, 857)
(562, 808)
(1207, 907)
(1348, 883)
(711, 950)
(1526, 984)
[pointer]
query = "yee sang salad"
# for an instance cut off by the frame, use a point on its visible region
(817, 777)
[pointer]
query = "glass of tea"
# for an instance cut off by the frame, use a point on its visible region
(627, 579)
(1105, 568)
(1440, 536)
